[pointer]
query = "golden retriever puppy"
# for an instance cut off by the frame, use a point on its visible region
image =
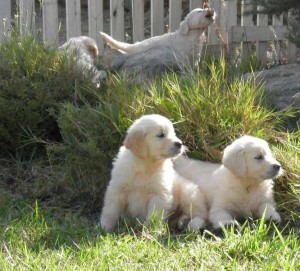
(86, 52)
(143, 180)
(186, 42)
(240, 187)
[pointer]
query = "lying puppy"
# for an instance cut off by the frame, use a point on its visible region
(242, 186)
(86, 52)
(143, 180)
(186, 42)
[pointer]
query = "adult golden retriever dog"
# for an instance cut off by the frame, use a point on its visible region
(186, 42)
(143, 180)
(240, 187)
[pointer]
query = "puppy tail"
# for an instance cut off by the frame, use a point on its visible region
(122, 47)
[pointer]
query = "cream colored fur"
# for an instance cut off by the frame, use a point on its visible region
(143, 180)
(240, 187)
(186, 42)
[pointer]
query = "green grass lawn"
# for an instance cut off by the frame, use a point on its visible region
(59, 134)
(37, 238)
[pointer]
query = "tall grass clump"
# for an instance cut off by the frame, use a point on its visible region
(33, 80)
(209, 108)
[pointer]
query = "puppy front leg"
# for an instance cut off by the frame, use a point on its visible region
(220, 217)
(268, 210)
(159, 205)
(110, 212)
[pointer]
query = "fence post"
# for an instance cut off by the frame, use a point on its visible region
(27, 16)
(50, 21)
(277, 21)
(157, 18)
(246, 20)
(117, 19)
(95, 21)
(73, 20)
(292, 49)
(137, 20)
(175, 12)
(262, 46)
(195, 4)
(5, 17)
(231, 21)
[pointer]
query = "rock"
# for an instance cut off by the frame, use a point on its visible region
(142, 66)
(282, 85)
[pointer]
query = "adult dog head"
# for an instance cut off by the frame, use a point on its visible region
(197, 19)
(250, 157)
(153, 137)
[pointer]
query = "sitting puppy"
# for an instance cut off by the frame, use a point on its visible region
(186, 42)
(242, 186)
(86, 51)
(143, 179)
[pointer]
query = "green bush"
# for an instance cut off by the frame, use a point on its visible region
(209, 110)
(33, 80)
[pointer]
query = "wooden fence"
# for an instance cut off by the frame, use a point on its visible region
(242, 32)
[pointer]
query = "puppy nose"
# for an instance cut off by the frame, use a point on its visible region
(178, 144)
(276, 167)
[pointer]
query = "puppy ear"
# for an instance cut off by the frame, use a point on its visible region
(183, 27)
(234, 160)
(136, 142)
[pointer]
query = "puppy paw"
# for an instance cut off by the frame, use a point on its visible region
(182, 222)
(274, 216)
(107, 224)
(196, 223)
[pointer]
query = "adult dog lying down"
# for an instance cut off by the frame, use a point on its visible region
(186, 42)
(143, 180)
(240, 187)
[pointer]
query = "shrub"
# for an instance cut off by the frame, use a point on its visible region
(209, 110)
(33, 80)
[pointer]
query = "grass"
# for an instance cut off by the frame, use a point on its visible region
(50, 199)
(40, 238)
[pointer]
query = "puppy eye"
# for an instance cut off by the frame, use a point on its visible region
(161, 135)
(259, 157)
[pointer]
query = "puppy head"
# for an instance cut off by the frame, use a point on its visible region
(153, 137)
(251, 157)
(197, 19)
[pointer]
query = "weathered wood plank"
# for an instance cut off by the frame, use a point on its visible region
(137, 20)
(117, 19)
(73, 18)
(175, 12)
(95, 20)
(277, 21)
(262, 46)
(258, 33)
(157, 18)
(231, 21)
(195, 4)
(27, 16)
(5, 18)
(246, 20)
(50, 21)
(291, 49)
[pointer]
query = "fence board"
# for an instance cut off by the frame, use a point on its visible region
(262, 46)
(258, 33)
(5, 18)
(212, 37)
(117, 19)
(195, 4)
(137, 20)
(27, 16)
(157, 18)
(50, 21)
(231, 21)
(246, 20)
(95, 21)
(73, 14)
(277, 21)
(292, 49)
(175, 14)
